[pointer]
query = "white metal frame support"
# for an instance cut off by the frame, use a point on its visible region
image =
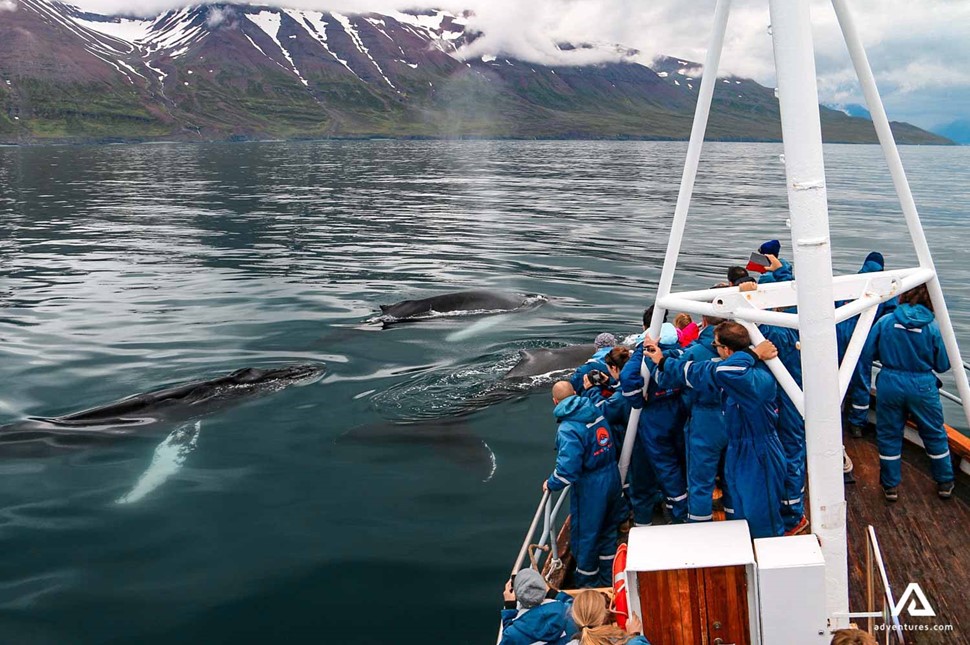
(887, 141)
(701, 112)
(807, 198)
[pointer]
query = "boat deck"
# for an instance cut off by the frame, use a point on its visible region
(923, 539)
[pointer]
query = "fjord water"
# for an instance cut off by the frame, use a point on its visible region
(378, 504)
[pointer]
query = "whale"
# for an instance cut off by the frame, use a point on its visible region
(539, 362)
(460, 303)
(140, 413)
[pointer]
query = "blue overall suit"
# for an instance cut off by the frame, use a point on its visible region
(857, 394)
(586, 460)
(615, 408)
(660, 443)
(596, 362)
(791, 425)
(909, 344)
(706, 435)
(754, 463)
(551, 623)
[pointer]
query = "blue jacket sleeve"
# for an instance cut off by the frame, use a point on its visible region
(941, 360)
(615, 408)
(508, 615)
(783, 273)
(569, 459)
(631, 382)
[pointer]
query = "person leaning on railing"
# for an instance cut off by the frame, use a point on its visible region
(909, 345)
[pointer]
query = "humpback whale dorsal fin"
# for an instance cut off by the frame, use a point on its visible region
(384, 308)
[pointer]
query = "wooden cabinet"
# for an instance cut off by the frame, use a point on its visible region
(694, 584)
(707, 606)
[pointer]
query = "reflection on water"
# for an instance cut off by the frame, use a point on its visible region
(127, 268)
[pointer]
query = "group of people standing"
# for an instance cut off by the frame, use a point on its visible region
(710, 413)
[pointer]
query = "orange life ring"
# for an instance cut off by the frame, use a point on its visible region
(620, 606)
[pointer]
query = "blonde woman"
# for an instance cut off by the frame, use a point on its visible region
(593, 619)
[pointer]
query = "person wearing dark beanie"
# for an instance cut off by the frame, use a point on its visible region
(771, 247)
(779, 270)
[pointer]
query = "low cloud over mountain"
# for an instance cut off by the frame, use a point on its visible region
(238, 71)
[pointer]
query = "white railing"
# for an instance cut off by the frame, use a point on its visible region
(890, 626)
(544, 550)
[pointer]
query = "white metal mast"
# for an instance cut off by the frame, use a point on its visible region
(791, 27)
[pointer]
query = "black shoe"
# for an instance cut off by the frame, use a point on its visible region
(945, 490)
(892, 495)
(855, 431)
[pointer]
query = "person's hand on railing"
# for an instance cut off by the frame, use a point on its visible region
(545, 485)
(634, 626)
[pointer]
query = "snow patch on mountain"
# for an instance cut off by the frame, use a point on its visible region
(271, 22)
(316, 27)
(351, 31)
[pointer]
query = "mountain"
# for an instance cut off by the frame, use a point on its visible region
(852, 109)
(958, 131)
(225, 71)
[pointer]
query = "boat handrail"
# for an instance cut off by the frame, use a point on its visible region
(944, 393)
(893, 628)
(548, 509)
(550, 512)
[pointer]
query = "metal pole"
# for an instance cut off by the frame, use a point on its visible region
(701, 113)
(854, 350)
(778, 369)
(805, 173)
(704, 96)
(906, 201)
(528, 536)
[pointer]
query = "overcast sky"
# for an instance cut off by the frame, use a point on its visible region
(919, 49)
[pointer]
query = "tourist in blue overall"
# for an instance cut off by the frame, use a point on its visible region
(585, 460)
(610, 402)
(602, 345)
(535, 614)
(779, 270)
(706, 434)
(857, 396)
(754, 463)
(791, 429)
(659, 443)
(910, 347)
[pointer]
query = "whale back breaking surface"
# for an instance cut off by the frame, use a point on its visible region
(40, 436)
(537, 362)
(479, 301)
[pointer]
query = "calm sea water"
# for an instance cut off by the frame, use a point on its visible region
(362, 508)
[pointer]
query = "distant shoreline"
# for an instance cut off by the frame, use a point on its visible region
(108, 141)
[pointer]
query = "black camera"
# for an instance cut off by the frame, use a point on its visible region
(598, 378)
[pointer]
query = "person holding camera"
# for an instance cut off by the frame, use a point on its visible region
(603, 344)
(586, 461)
(777, 270)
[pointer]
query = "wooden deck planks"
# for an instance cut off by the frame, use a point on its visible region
(923, 539)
